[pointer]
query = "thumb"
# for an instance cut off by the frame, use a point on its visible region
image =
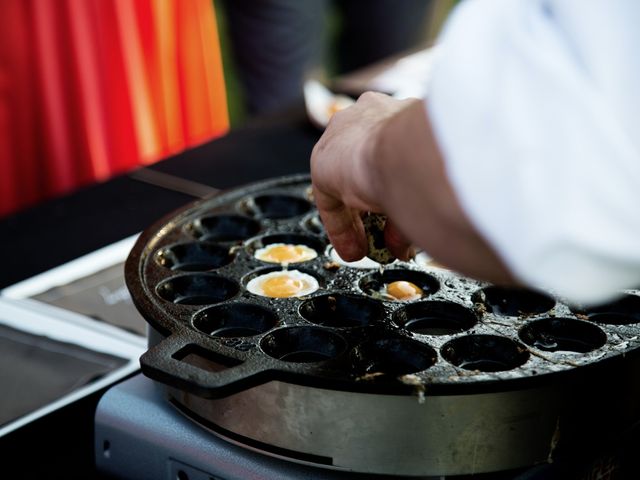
(397, 243)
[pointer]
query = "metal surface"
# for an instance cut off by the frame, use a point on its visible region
(469, 379)
(423, 436)
(171, 182)
(138, 435)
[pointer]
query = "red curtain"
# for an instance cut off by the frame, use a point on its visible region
(90, 88)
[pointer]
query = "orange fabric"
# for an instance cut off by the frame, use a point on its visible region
(91, 88)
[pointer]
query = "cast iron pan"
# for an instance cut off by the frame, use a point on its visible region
(188, 272)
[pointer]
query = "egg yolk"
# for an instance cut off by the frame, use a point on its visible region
(402, 290)
(287, 254)
(283, 286)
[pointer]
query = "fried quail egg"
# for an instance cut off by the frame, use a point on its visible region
(400, 290)
(285, 253)
(365, 262)
(283, 284)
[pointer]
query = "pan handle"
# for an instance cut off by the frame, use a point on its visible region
(160, 363)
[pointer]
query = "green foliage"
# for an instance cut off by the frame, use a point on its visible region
(235, 97)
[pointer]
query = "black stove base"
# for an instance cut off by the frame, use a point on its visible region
(139, 435)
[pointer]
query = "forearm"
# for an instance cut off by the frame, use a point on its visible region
(407, 174)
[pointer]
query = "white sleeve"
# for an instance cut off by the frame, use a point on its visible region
(536, 107)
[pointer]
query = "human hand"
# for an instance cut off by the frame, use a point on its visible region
(344, 175)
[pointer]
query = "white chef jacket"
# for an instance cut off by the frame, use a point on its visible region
(536, 107)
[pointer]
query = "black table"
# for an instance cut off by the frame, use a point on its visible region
(60, 445)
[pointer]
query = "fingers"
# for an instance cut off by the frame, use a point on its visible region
(340, 172)
(347, 235)
(397, 243)
(343, 226)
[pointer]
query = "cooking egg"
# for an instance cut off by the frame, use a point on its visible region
(285, 253)
(283, 284)
(365, 262)
(401, 290)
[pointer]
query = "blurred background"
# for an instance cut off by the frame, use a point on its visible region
(90, 89)
(417, 21)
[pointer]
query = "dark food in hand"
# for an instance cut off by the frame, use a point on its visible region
(374, 228)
